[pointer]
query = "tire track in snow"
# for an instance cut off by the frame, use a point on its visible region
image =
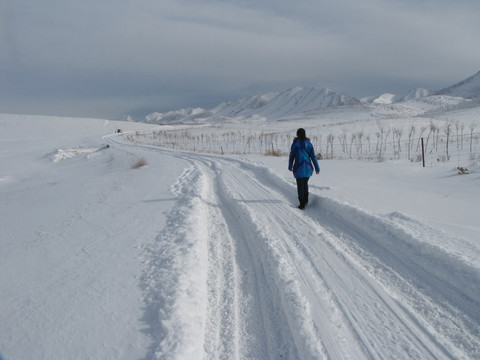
(335, 295)
(277, 268)
(200, 299)
(221, 338)
(192, 282)
(257, 333)
(175, 279)
(363, 320)
(436, 290)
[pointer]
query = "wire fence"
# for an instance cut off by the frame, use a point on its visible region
(449, 146)
(433, 149)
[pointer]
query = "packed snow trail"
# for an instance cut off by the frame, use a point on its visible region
(333, 308)
(262, 279)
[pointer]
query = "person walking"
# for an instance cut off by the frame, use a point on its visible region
(302, 155)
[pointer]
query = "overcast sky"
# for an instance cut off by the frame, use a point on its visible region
(106, 58)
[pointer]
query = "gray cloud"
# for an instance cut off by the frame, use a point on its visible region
(111, 57)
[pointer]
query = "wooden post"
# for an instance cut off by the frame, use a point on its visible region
(423, 154)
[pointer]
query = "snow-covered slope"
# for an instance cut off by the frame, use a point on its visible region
(468, 88)
(271, 105)
(286, 103)
(174, 116)
(414, 94)
(386, 98)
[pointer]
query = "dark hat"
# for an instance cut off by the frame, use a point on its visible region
(301, 133)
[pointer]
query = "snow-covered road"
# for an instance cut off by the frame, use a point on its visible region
(262, 279)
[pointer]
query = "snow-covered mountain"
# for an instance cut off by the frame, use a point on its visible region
(173, 116)
(414, 94)
(295, 101)
(468, 88)
(388, 98)
(270, 105)
(289, 102)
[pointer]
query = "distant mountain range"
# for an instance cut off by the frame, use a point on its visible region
(298, 100)
(467, 89)
(271, 105)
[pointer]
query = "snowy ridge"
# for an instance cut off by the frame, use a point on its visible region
(173, 116)
(300, 101)
(271, 105)
(414, 94)
(63, 154)
(468, 88)
(386, 98)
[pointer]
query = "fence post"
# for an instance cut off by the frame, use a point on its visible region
(423, 154)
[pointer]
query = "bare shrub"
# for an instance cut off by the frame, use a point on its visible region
(139, 163)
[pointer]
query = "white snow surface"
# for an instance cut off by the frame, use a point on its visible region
(386, 98)
(198, 256)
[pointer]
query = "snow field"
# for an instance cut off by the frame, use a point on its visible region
(204, 256)
(70, 263)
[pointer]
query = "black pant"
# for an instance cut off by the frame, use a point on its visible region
(302, 188)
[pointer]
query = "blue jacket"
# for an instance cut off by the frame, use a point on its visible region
(301, 157)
